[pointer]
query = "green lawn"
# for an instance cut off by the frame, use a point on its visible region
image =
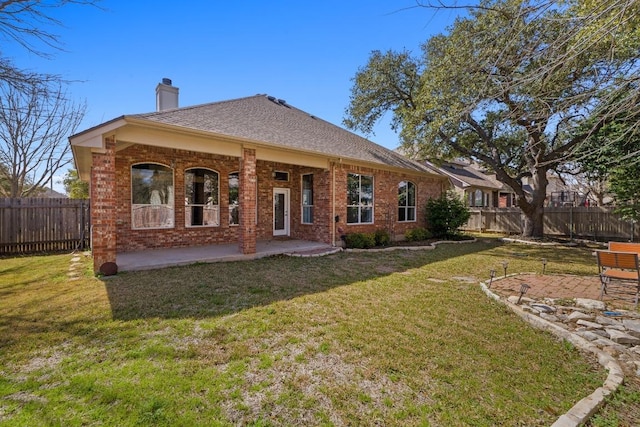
(349, 339)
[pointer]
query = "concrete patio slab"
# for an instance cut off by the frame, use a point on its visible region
(160, 258)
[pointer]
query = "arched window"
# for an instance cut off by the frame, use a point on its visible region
(152, 196)
(202, 204)
(406, 201)
(234, 200)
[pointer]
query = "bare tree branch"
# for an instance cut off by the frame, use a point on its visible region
(34, 126)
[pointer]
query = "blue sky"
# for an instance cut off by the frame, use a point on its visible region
(303, 52)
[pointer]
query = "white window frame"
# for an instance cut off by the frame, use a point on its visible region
(306, 207)
(360, 206)
(407, 207)
(205, 206)
(229, 198)
(143, 209)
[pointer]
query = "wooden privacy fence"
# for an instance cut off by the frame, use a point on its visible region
(593, 223)
(30, 225)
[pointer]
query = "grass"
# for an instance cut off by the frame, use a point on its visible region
(386, 338)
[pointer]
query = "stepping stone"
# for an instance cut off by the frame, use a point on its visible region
(465, 279)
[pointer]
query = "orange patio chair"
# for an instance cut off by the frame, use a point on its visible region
(619, 275)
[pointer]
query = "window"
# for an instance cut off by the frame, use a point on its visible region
(281, 176)
(478, 199)
(202, 206)
(152, 196)
(234, 201)
(359, 199)
(406, 201)
(307, 199)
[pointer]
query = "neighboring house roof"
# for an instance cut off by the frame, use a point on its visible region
(466, 175)
(52, 194)
(270, 121)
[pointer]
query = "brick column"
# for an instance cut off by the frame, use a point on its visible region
(103, 205)
(248, 214)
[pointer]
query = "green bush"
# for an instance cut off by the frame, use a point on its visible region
(417, 234)
(360, 240)
(446, 214)
(382, 237)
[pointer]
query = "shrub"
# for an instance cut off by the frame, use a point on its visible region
(417, 234)
(360, 240)
(446, 214)
(382, 237)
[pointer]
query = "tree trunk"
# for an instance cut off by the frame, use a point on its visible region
(533, 206)
(533, 222)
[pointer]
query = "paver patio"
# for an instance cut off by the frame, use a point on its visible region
(554, 286)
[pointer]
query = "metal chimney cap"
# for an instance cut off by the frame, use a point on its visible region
(166, 81)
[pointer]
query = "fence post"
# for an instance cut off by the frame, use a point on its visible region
(82, 220)
(571, 223)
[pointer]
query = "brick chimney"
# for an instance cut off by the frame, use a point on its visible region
(166, 95)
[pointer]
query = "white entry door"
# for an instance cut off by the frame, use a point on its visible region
(280, 211)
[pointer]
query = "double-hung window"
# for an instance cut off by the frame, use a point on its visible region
(406, 201)
(202, 206)
(359, 199)
(234, 198)
(307, 199)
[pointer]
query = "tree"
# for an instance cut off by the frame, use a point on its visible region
(34, 125)
(625, 185)
(74, 187)
(446, 214)
(29, 24)
(611, 155)
(508, 87)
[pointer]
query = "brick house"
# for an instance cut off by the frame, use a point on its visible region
(476, 187)
(240, 171)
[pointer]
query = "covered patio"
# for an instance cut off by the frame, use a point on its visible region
(160, 258)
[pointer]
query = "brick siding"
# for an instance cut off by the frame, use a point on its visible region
(128, 239)
(248, 211)
(103, 202)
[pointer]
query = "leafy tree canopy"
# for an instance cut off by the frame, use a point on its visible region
(75, 188)
(508, 86)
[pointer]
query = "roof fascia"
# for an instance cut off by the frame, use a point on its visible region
(94, 137)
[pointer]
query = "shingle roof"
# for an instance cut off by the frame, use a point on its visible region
(269, 120)
(469, 175)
